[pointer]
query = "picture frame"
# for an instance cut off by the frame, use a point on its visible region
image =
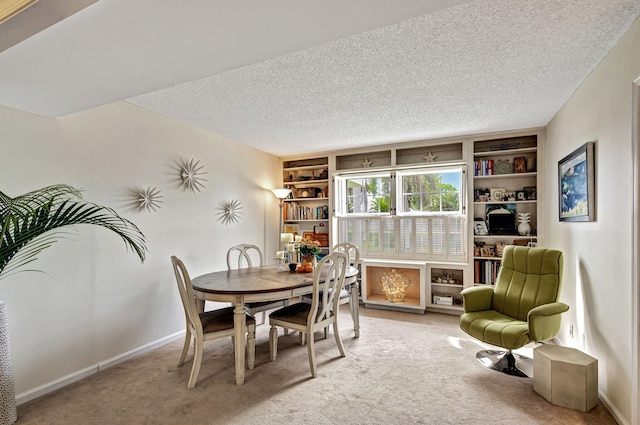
(576, 185)
(520, 165)
(292, 228)
(486, 251)
(520, 195)
(496, 195)
(480, 228)
(530, 193)
(307, 235)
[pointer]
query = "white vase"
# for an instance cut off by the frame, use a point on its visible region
(524, 228)
(8, 412)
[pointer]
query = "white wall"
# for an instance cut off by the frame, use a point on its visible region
(598, 263)
(96, 301)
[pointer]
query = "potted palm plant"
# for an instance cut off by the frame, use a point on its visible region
(31, 223)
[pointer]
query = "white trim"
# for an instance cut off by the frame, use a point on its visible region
(635, 255)
(617, 415)
(83, 373)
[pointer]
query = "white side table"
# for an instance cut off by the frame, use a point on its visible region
(565, 377)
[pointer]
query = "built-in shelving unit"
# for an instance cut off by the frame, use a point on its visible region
(306, 210)
(372, 291)
(505, 181)
(502, 174)
(445, 283)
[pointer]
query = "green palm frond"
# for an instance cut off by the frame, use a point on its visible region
(32, 222)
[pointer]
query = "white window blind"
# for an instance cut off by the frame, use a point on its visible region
(413, 214)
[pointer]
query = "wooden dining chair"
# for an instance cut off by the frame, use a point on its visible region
(244, 260)
(353, 255)
(307, 318)
(205, 326)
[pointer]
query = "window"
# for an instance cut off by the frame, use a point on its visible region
(365, 194)
(405, 213)
(430, 191)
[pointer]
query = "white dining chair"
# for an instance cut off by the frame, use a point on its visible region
(205, 326)
(307, 318)
(353, 255)
(242, 255)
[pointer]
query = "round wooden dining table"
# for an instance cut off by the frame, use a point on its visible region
(257, 284)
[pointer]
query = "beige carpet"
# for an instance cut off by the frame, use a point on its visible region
(404, 369)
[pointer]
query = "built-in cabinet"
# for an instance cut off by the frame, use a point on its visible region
(373, 291)
(503, 180)
(445, 283)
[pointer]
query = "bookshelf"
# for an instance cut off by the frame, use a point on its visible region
(505, 181)
(306, 210)
(445, 283)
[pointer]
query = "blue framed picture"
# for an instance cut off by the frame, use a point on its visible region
(576, 185)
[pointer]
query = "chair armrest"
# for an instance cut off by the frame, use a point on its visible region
(544, 320)
(477, 298)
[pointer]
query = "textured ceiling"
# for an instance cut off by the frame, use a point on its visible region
(302, 79)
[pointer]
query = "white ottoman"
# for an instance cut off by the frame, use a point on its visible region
(565, 377)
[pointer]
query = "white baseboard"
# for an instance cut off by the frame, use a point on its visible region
(83, 373)
(612, 409)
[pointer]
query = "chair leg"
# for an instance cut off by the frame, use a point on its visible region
(312, 355)
(338, 339)
(506, 362)
(185, 348)
(251, 346)
(273, 342)
(197, 359)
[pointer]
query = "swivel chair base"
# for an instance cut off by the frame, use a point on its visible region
(506, 362)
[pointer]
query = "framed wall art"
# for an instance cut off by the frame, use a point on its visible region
(576, 185)
(292, 228)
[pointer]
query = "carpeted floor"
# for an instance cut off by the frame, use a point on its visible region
(404, 369)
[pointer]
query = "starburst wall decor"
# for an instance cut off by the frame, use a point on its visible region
(191, 175)
(230, 212)
(149, 199)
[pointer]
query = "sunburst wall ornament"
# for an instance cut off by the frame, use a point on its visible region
(191, 175)
(149, 199)
(230, 212)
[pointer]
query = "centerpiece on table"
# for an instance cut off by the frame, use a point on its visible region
(308, 250)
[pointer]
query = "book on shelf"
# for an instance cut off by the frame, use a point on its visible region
(296, 211)
(484, 167)
(485, 271)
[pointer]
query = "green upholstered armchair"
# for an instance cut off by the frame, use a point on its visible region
(521, 308)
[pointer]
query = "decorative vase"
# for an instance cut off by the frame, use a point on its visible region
(524, 228)
(309, 259)
(308, 263)
(8, 412)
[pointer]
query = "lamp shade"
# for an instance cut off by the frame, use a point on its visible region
(281, 193)
(286, 237)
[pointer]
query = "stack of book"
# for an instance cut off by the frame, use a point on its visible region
(485, 271)
(484, 167)
(442, 299)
